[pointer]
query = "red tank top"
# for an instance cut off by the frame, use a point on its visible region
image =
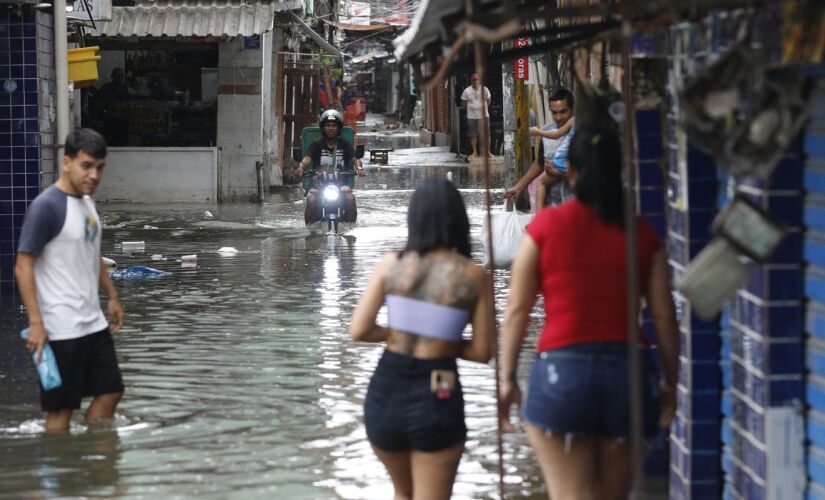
(583, 274)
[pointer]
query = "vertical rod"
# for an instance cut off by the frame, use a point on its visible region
(634, 372)
(61, 81)
(522, 141)
(480, 64)
(491, 319)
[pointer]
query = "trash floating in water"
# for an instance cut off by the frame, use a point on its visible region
(383, 186)
(138, 272)
(188, 258)
(450, 176)
(133, 246)
(228, 250)
(110, 263)
(147, 226)
(208, 214)
(185, 264)
(157, 256)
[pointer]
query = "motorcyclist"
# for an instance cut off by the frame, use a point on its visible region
(321, 154)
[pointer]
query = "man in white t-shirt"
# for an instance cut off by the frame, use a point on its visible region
(59, 273)
(476, 104)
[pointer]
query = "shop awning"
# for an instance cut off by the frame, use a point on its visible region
(193, 18)
(436, 22)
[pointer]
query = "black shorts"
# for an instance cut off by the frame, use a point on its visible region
(402, 413)
(88, 367)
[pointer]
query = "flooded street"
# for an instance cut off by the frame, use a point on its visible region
(240, 377)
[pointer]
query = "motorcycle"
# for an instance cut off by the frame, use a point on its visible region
(329, 184)
(331, 197)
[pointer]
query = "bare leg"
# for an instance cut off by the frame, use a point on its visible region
(613, 469)
(398, 466)
(434, 473)
(489, 147)
(474, 145)
(568, 467)
(58, 421)
(102, 408)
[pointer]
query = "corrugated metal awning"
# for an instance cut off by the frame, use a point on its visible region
(192, 19)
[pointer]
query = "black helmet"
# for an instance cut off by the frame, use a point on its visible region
(331, 115)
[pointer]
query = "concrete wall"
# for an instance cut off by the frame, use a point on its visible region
(276, 171)
(241, 117)
(160, 175)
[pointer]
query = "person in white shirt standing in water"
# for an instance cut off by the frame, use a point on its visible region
(477, 102)
(59, 271)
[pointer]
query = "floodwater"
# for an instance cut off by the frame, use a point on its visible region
(240, 378)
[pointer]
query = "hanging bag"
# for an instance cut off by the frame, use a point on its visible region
(507, 230)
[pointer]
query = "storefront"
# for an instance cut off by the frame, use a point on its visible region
(155, 93)
(185, 99)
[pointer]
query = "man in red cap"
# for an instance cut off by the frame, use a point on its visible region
(476, 102)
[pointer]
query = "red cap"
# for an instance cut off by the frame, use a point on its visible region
(474, 76)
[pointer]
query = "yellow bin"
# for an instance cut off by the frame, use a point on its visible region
(83, 65)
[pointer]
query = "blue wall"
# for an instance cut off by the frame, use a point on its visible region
(19, 130)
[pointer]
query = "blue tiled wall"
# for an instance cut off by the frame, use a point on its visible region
(814, 284)
(19, 130)
(692, 187)
(763, 340)
(650, 203)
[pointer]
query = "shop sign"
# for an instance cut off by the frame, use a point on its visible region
(350, 12)
(252, 42)
(522, 63)
(100, 10)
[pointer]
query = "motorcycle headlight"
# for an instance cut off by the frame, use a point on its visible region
(331, 193)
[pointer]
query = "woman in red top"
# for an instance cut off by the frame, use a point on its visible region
(577, 411)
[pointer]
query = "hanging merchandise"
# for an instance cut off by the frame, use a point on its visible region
(749, 229)
(711, 97)
(757, 144)
(712, 278)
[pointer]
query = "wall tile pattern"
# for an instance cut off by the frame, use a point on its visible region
(19, 130)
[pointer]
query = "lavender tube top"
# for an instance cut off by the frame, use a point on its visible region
(426, 319)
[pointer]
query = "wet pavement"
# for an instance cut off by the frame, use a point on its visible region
(241, 380)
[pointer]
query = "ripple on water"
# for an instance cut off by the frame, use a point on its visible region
(240, 376)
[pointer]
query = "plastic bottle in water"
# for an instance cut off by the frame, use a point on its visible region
(47, 368)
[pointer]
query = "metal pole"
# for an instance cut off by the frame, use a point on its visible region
(485, 146)
(636, 449)
(480, 64)
(61, 81)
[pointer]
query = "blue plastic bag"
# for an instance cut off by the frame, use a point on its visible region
(47, 368)
(138, 272)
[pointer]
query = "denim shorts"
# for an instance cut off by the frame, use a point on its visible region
(402, 413)
(584, 389)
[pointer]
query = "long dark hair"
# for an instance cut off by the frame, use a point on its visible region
(437, 218)
(595, 155)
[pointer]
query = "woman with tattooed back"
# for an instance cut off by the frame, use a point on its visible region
(414, 409)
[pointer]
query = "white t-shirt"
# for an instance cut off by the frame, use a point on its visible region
(550, 145)
(474, 102)
(63, 232)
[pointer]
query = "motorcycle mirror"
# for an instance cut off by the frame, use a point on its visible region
(296, 155)
(359, 151)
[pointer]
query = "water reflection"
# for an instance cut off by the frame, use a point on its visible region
(240, 377)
